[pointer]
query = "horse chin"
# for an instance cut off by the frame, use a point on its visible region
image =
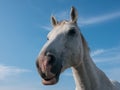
(50, 82)
(53, 80)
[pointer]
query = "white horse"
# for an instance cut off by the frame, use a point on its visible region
(65, 48)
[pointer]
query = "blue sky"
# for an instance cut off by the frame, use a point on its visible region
(24, 25)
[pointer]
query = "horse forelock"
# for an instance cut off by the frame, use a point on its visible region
(63, 22)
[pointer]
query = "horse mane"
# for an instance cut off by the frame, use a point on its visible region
(85, 45)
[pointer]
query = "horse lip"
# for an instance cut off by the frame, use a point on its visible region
(47, 79)
(49, 82)
(53, 80)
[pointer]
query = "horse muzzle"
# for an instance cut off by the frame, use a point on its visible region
(48, 68)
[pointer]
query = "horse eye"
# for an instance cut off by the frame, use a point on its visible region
(47, 38)
(71, 32)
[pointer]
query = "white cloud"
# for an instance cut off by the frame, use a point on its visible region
(97, 52)
(99, 19)
(6, 71)
(111, 55)
(47, 27)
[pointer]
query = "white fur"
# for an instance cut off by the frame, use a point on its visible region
(73, 52)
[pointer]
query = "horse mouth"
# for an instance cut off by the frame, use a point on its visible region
(50, 78)
(53, 80)
(50, 81)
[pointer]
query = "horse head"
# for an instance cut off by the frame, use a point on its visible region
(62, 49)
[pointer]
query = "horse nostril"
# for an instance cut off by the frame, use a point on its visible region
(43, 75)
(52, 58)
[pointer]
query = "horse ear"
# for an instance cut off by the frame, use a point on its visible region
(74, 14)
(54, 21)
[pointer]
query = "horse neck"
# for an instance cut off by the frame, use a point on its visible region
(88, 77)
